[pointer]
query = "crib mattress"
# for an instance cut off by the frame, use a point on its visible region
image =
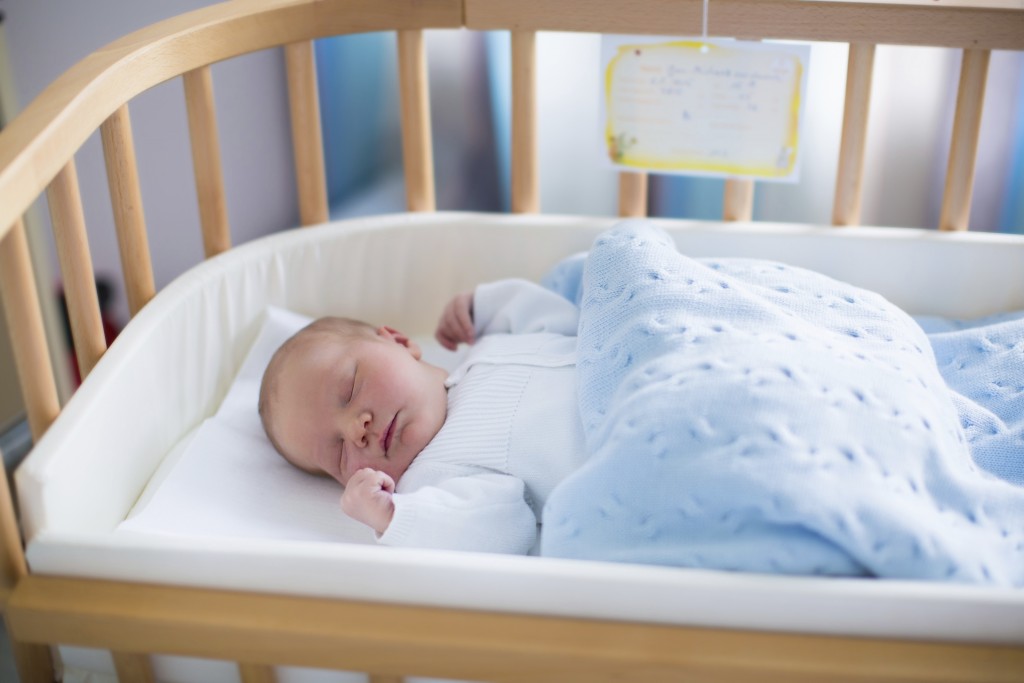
(174, 363)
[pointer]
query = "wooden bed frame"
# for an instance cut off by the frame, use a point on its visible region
(260, 630)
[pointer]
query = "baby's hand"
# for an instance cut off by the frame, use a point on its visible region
(456, 324)
(367, 499)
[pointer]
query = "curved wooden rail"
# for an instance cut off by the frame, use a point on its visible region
(40, 141)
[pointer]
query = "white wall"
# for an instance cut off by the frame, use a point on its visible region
(46, 37)
(574, 179)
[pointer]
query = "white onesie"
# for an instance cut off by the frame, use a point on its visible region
(512, 432)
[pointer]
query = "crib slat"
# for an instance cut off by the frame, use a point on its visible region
(28, 335)
(846, 205)
(417, 148)
(76, 267)
(202, 124)
(525, 179)
(963, 151)
(379, 678)
(126, 197)
(12, 559)
(25, 323)
(632, 194)
(133, 668)
(33, 662)
(307, 137)
(738, 204)
(257, 673)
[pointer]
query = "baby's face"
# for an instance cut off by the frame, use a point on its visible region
(345, 404)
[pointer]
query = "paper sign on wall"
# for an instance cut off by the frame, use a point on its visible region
(715, 107)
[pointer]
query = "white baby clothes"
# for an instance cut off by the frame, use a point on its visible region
(512, 432)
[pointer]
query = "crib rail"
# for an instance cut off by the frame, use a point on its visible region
(391, 640)
(985, 24)
(37, 155)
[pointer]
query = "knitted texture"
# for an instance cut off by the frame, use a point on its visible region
(983, 365)
(749, 415)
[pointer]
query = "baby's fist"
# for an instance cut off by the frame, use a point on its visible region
(456, 324)
(367, 499)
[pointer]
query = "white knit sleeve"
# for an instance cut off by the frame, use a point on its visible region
(484, 512)
(516, 306)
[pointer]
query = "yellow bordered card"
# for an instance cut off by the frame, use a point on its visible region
(697, 106)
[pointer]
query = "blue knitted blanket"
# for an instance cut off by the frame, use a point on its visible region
(749, 415)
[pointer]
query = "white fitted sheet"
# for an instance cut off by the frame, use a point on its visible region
(225, 479)
(174, 364)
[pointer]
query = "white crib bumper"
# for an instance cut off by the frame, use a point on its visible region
(172, 365)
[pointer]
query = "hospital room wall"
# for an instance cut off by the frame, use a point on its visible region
(469, 80)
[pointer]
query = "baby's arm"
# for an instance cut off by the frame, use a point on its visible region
(511, 306)
(517, 306)
(367, 499)
(482, 512)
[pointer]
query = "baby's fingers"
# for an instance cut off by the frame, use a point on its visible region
(464, 320)
(370, 478)
(445, 339)
(455, 325)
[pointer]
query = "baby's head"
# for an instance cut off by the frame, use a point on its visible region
(341, 395)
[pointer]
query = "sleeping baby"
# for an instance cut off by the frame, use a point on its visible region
(464, 460)
(650, 407)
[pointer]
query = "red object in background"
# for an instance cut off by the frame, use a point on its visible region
(105, 294)
(110, 332)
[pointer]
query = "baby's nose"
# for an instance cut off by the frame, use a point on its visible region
(357, 430)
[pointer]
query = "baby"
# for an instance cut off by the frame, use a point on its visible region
(427, 458)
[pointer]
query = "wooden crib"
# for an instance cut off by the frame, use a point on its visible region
(389, 641)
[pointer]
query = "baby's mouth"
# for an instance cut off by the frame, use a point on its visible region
(385, 439)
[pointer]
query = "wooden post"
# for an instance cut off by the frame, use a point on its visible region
(126, 198)
(202, 125)
(28, 335)
(963, 151)
(846, 206)
(307, 136)
(132, 667)
(34, 663)
(632, 194)
(76, 268)
(257, 673)
(525, 179)
(738, 204)
(417, 148)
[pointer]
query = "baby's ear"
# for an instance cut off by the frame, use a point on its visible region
(391, 334)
